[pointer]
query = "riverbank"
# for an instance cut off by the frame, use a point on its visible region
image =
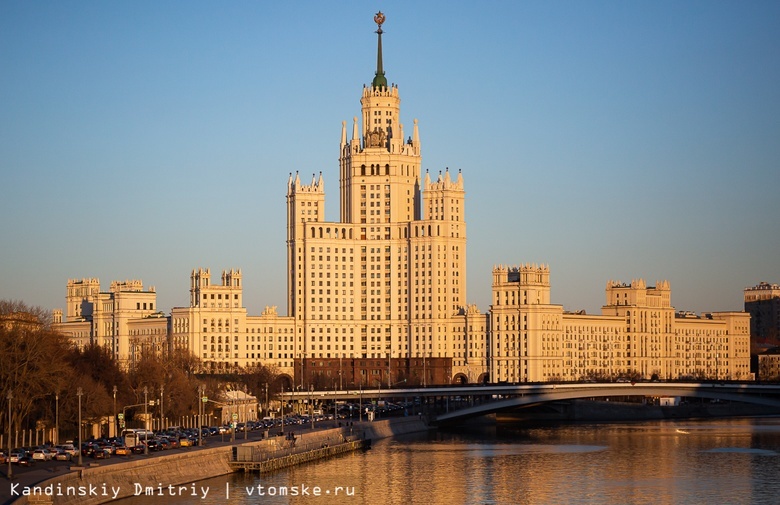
(177, 474)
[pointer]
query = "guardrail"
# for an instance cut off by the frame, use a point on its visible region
(257, 459)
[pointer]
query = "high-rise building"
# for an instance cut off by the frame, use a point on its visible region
(388, 280)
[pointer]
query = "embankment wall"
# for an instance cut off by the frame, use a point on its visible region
(185, 468)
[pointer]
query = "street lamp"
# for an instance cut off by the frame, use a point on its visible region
(114, 418)
(10, 469)
(146, 428)
(233, 411)
(266, 399)
(56, 418)
(303, 359)
(281, 398)
(79, 392)
(378, 399)
(389, 371)
(162, 394)
(311, 405)
(200, 415)
(424, 374)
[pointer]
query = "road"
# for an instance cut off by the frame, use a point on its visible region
(41, 471)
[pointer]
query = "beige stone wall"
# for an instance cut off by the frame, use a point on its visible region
(638, 332)
(110, 319)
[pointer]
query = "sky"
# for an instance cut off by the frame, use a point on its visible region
(610, 140)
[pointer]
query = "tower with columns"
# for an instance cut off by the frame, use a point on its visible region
(388, 279)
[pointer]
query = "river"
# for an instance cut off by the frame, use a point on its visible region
(731, 461)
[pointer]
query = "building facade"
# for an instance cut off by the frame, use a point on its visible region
(123, 319)
(762, 302)
(379, 296)
(216, 329)
(388, 280)
(638, 335)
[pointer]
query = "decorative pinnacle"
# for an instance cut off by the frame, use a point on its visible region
(379, 18)
(379, 78)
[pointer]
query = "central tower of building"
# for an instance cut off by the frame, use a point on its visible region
(389, 278)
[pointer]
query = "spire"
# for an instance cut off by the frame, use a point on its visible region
(379, 79)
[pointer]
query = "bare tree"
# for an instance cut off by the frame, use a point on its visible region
(31, 360)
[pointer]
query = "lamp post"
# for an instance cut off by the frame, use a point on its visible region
(146, 428)
(424, 374)
(281, 402)
(10, 468)
(311, 405)
(233, 411)
(303, 359)
(266, 399)
(378, 399)
(389, 371)
(114, 418)
(162, 414)
(200, 416)
(79, 392)
(56, 418)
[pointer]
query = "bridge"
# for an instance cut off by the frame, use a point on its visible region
(454, 404)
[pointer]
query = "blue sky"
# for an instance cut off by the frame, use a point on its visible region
(610, 140)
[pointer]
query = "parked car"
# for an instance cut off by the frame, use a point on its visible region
(88, 449)
(69, 448)
(42, 455)
(63, 456)
(101, 453)
(122, 451)
(16, 456)
(26, 461)
(138, 449)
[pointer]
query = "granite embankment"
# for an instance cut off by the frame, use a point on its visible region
(93, 485)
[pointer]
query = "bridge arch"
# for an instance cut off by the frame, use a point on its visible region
(511, 397)
(284, 381)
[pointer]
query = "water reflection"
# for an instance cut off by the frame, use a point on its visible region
(727, 461)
